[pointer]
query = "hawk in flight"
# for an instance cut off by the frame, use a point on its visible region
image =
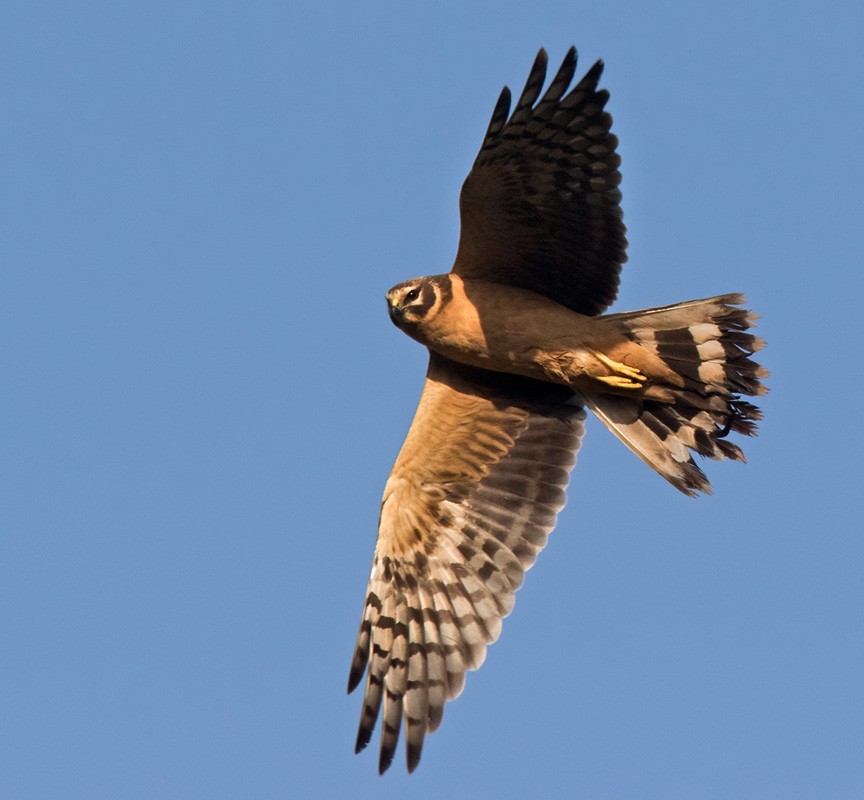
(517, 350)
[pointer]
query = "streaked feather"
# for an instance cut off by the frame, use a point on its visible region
(493, 455)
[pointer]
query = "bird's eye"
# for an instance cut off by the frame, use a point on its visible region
(411, 296)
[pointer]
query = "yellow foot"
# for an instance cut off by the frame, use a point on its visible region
(624, 378)
(619, 382)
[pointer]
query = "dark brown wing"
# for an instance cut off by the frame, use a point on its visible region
(470, 502)
(540, 208)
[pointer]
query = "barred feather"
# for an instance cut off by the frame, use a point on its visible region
(447, 565)
(540, 208)
(482, 474)
(706, 345)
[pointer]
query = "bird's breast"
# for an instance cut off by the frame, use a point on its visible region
(501, 328)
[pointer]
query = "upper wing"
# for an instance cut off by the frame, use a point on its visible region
(540, 208)
(470, 501)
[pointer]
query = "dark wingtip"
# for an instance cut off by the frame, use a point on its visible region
(355, 676)
(413, 753)
(385, 760)
(595, 72)
(534, 84)
(502, 107)
(499, 115)
(363, 737)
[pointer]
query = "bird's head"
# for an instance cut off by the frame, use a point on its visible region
(414, 302)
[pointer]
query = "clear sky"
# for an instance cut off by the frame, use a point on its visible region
(201, 207)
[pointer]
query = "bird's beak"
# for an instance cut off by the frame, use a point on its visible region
(394, 311)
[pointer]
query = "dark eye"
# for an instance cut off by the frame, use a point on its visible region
(411, 296)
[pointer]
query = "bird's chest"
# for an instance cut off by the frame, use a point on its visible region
(504, 331)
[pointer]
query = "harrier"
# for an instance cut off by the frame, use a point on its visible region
(517, 350)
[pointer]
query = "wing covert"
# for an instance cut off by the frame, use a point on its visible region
(473, 495)
(540, 208)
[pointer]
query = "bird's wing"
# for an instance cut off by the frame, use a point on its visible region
(472, 497)
(540, 208)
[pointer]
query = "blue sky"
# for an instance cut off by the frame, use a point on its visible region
(201, 207)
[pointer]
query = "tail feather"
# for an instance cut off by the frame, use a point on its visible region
(707, 347)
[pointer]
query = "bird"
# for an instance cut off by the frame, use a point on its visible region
(519, 347)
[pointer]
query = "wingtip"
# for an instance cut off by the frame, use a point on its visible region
(413, 755)
(384, 760)
(499, 114)
(363, 738)
(354, 678)
(539, 67)
(596, 70)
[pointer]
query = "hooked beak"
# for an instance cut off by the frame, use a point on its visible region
(394, 311)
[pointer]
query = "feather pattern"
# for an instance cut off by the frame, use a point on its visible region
(493, 455)
(481, 477)
(707, 347)
(540, 208)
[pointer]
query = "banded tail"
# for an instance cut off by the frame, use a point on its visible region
(706, 345)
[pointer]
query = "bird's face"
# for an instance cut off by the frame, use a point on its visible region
(413, 302)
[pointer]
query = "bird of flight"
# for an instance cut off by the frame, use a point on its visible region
(518, 348)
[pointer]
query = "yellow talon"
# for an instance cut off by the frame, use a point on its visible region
(619, 382)
(626, 377)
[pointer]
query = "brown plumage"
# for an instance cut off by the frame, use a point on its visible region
(516, 351)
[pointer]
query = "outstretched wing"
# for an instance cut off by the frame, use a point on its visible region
(540, 208)
(472, 497)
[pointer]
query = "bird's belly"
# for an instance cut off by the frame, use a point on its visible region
(545, 344)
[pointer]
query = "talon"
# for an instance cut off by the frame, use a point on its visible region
(625, 377)
(619, 382)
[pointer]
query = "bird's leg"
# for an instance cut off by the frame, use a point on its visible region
(623, 377)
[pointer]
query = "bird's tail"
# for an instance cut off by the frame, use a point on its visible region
(705, 349)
